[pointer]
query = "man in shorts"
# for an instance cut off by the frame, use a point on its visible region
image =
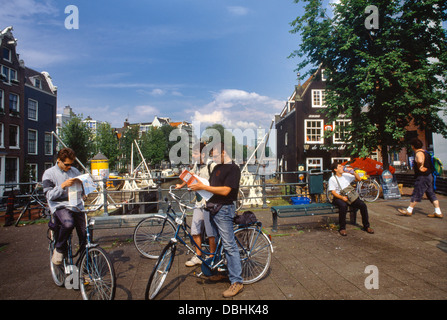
(201, 217)
(423, 183)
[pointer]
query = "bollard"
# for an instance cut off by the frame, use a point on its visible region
(9, 214)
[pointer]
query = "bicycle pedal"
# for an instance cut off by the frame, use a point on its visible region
(222, 268)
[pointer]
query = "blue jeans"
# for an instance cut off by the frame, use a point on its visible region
(68, 220)
(223, 221)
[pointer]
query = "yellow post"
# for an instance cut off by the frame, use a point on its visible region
(100, 167)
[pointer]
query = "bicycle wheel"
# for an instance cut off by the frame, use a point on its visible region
(160, 271)
(97, 275)
(255, 251)
(152, 234)
(369, 190)
(57, 271)
(240, 200)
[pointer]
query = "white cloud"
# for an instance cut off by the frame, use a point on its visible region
(238, 10)
(144, 111)
(234, 108)
(19, 10)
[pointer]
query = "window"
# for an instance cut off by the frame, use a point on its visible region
(14, 136)
(2, 127)
(32, 109)
(48, 144)
(11, 170)
(32, 141)
(8, 74)
(286, 138)
(4, 73)
(313, 131)
(341, 134)
(38, 83)
(314, 163)
(323, 75)
(7, 54)
(318, 98)
(32, 172)
(47, 165)
(340, 159)
(2, 104)
(13, 103)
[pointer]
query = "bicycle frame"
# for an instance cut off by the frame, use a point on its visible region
(217, 258)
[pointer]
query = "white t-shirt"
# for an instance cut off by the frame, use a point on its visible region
(345, 180)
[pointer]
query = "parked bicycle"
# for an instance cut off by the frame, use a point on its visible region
(152, 234)
(368, 188)
(93, 271)
(255, 250)
(36, 201)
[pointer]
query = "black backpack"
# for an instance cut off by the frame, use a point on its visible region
(247, 217)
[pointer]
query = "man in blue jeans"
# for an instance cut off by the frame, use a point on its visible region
(56, 181)
(224, 184)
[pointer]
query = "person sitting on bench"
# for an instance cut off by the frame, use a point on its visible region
(342, 178)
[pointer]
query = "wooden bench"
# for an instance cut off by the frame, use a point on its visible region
(300, 210)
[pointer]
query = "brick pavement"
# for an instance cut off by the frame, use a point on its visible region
(311, 261)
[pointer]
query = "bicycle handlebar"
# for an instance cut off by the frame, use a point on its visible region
(178, 199)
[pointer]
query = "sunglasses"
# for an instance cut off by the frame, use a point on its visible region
(67, 164)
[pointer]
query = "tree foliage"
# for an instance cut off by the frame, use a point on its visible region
(383, 79)
(77, 136)
(107, 143)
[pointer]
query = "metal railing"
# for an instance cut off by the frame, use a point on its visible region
(154, 191)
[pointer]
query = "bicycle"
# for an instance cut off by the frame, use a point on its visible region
(255, 250)
(93, 272)
(152, 234)
(368, 188)
(36, 201)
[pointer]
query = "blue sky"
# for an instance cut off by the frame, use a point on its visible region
(196, 60)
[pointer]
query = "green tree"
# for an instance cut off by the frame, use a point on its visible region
(154, 145)
(77, 136)
(107, 143)
(382, 79)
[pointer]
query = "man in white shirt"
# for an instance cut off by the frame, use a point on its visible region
(340, 179)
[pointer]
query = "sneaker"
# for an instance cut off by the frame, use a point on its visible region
(404, 212)
(193, 261)
(435, 215)
(233, 290)
(57, 257)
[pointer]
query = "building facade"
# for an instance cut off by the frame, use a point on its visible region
(39, 122)
(12, 97)
(28, 102)
(300, 128)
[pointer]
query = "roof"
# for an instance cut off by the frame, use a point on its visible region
(45, 80)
